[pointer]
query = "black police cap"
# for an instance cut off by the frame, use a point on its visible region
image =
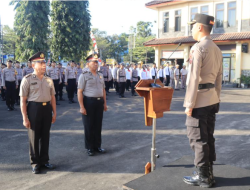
(203, 19)
(37, 56)
(9, 61)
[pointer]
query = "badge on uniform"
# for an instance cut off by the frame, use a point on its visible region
(34, 83)
(34, 76)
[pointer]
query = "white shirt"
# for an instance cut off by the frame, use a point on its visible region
(143, 75)
(148, 74)
(184, 71)
(161, 73)
(177, 71)
(128, 73)
(139, 71)
(153, 72)
(166, 71)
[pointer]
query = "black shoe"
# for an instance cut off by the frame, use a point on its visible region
(70, 102)
(90, 152)
(200, 178)
(211, 173)
(49, 166)
(100, 150)
(9, 109)
(123, 96)
(73, 101)
(57, 103)
(36, 170)
(12, 107)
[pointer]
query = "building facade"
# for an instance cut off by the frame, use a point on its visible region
(231, 32)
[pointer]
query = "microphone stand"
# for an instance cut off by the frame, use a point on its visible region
(154, 85)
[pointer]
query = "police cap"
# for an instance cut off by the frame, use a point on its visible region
(39, 56)
(202, 19)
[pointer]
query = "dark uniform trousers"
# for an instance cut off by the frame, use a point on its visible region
(71, 88)
(111, 84)
(18, 91)
(116, 86)
(56, 86)
(153, 77)
(128, 84)
(133, 87)
(161, 79)
(2, 93)
(10, 93)
(122, 86)
(200, 130)
(60, 89)
(93, 122)
(167, 80)
(40, 118)
(106, 85)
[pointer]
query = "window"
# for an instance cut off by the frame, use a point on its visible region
(166, 22)
(219, 15)
(178, 20)
(193, 12)
(204, 10)
(231, 20)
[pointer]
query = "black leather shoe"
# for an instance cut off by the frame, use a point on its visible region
(73, 101)
(9, 109)
(70, 102)
(90, 152)
(100, 150)
(36, 170)
(49, 166)
(200, 178)
(211, 174)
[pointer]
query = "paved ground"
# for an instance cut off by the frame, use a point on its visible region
(126, 139)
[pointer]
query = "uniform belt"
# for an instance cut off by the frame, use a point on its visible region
(135, 77)
(121, 76)
(40, 103)
(94, 98)
(10, 81)
(205, 86)
(105, 77)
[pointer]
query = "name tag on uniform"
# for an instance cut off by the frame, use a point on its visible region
(34, 83)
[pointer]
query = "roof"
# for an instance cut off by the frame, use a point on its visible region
(189, 39)
(157, 2)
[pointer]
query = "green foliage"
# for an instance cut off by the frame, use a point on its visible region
(144, 29)
(71, 29)
(113, 46)
(9, 40)
(31, 26)
(245, 79)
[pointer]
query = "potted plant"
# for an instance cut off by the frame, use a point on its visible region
(245, 80)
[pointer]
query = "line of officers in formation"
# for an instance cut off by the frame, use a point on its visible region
(120, 76)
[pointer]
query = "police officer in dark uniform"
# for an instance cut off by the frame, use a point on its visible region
(202, 99)
(92, 101)
(39, 91)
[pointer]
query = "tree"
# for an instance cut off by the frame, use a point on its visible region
(31, 26)
(71, 29)
(9, 41)
(144, 29)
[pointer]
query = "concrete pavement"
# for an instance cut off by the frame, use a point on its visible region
(127, 140)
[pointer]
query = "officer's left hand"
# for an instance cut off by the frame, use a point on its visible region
(53, 118)
(189, 111)
(105, 107)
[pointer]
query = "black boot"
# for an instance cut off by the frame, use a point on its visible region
(201, 177)
(211, 174)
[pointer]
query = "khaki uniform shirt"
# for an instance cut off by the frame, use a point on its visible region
(27, 71)
(54, 74)
(70, 73)
(134, 75)
(121, 75)
(19, 73)
(205, 66)
(37, 90)
(79, 72)
(91, 85)
(104, 71)
(9, 74)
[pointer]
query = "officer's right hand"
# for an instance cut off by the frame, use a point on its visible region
(66, 83)
(83, 111)
(26, 123)
(4, 87)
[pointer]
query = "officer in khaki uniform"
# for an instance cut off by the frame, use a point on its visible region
(121, 79)
(92, 101)
(104, 70)
(134, 79)
(54, 73)
(10, 84)
(27, 70)
(39, 91)
(19, 76)
(202, 99)
(70, 81)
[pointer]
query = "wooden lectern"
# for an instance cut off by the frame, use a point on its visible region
(156, 101)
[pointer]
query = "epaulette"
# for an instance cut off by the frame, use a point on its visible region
(28, 75)
(84, 72)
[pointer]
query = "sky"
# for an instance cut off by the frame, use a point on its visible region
(112, 16)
